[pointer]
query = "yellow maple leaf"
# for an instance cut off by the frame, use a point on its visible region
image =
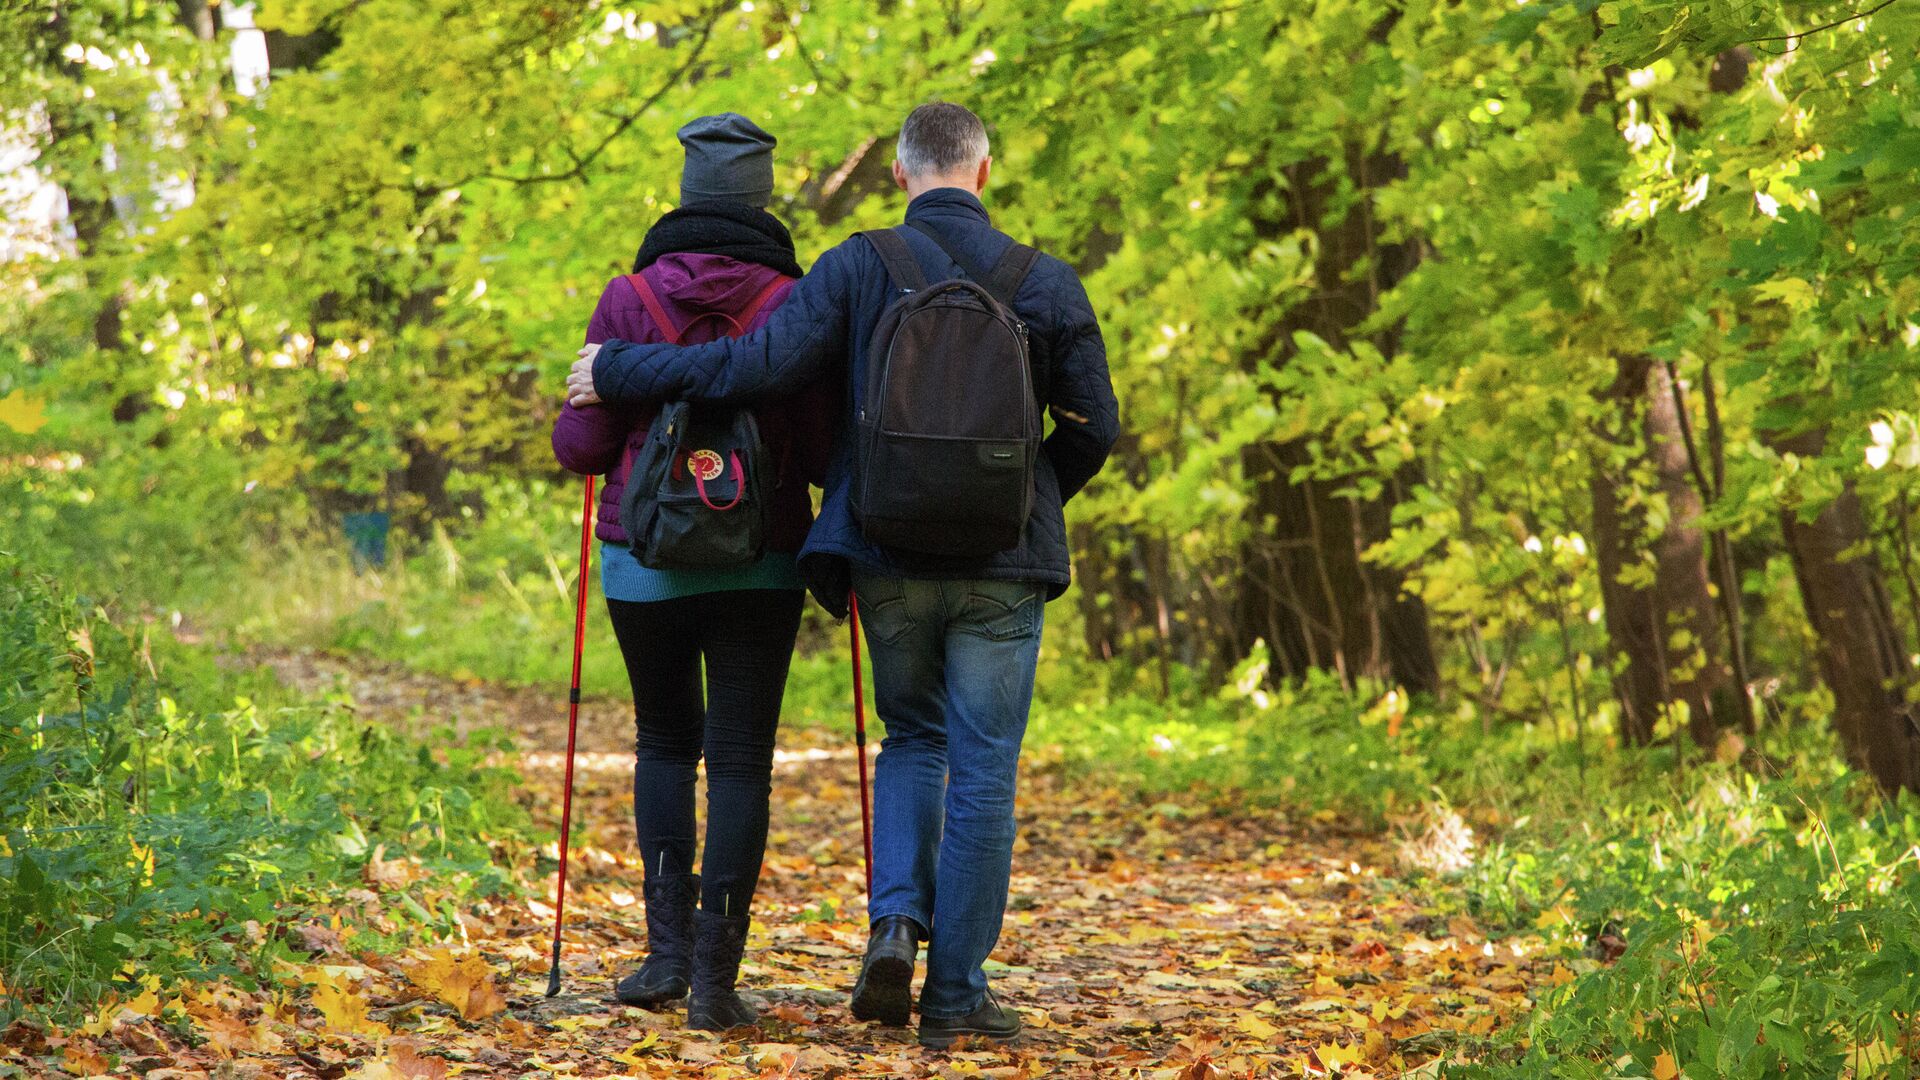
(21, 413)
(345, 1011)
(1664, 1067)
(633, 1055)
(467, 983)
(1330, 1054)
(1256, 1027)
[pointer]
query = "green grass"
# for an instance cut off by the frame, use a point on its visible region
(167, 818)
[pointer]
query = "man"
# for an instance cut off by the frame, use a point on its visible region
(954, 641)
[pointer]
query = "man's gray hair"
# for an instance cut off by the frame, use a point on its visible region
(941, 138)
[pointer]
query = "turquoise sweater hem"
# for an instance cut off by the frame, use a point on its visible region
(622, 577)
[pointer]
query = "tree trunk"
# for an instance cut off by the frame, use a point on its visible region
(1862, 658)
(1306, 588)
(200, 18)
(1108, 566)
(1664, 630)
(91, 216)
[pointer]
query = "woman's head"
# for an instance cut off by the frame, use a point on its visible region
(729, 158)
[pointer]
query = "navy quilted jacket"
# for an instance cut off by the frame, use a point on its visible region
(825, 327)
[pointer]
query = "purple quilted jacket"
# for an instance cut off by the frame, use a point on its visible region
(602, 439)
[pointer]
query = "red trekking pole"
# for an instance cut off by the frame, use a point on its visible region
(573, 723)
(860, 738)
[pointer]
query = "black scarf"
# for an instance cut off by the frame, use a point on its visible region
(736, 230)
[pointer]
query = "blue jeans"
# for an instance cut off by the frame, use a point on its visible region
(953, 665)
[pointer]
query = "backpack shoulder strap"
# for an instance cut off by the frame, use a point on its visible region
(898, 257)
(760, 301)
(1003, 281)
(972, 269)
(654, 308)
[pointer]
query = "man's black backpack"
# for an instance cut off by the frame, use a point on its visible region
(948, 435)
(696, 498)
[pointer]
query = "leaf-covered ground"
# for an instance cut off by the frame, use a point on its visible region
(1167, 940)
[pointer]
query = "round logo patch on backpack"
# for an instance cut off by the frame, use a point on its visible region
(705, 464)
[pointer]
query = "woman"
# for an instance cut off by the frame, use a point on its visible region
(720, 254)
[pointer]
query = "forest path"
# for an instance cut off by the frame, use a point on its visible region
(1152, 940)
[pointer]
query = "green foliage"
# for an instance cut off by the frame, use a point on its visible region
(1761, 929)
(166, 818)
(1743, 927)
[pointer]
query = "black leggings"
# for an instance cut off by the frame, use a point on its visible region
(746, 639)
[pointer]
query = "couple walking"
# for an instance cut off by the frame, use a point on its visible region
(954, 639)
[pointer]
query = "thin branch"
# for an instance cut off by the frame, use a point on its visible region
(842, 83)
(627, 120)
(1884, 4)
(1087, 42)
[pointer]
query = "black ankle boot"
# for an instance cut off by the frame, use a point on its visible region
(884, 991)
(718, 942)
(666, 972)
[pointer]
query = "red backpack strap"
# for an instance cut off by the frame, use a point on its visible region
(673, 335)
(760, 301)
(655, 308)
(745, 319)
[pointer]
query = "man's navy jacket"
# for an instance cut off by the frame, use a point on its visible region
(827, 324)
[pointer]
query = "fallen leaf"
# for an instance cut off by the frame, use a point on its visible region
(81, 1059)
(465, 982)
(396, 873)
(410, 1063)
(342, 1006)
(1256, 1027)
(632, 1055)
(1664, 1067)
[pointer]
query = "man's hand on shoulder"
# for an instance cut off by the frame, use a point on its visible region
(580, 390)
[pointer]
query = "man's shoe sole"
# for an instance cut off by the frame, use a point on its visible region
(945, 1039)
(886, 992)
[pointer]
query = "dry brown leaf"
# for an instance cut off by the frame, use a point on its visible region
(396, 873)
(406, 1058)
(82, 1059)
(136, 1036)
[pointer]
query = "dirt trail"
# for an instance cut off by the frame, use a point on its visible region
(1141, 939)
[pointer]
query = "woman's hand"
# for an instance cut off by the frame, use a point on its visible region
(580, 390)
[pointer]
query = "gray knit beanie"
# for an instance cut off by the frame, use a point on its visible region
(728, 157)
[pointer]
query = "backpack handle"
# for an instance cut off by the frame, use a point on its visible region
(739, 484)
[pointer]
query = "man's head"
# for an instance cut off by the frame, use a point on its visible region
(942, 145)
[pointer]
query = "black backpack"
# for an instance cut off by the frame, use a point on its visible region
(948, 434)
(696, 496)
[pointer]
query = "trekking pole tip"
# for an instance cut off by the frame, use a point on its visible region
(553, 973)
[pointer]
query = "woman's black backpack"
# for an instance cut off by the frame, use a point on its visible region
(948, 433)
(696, 498)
